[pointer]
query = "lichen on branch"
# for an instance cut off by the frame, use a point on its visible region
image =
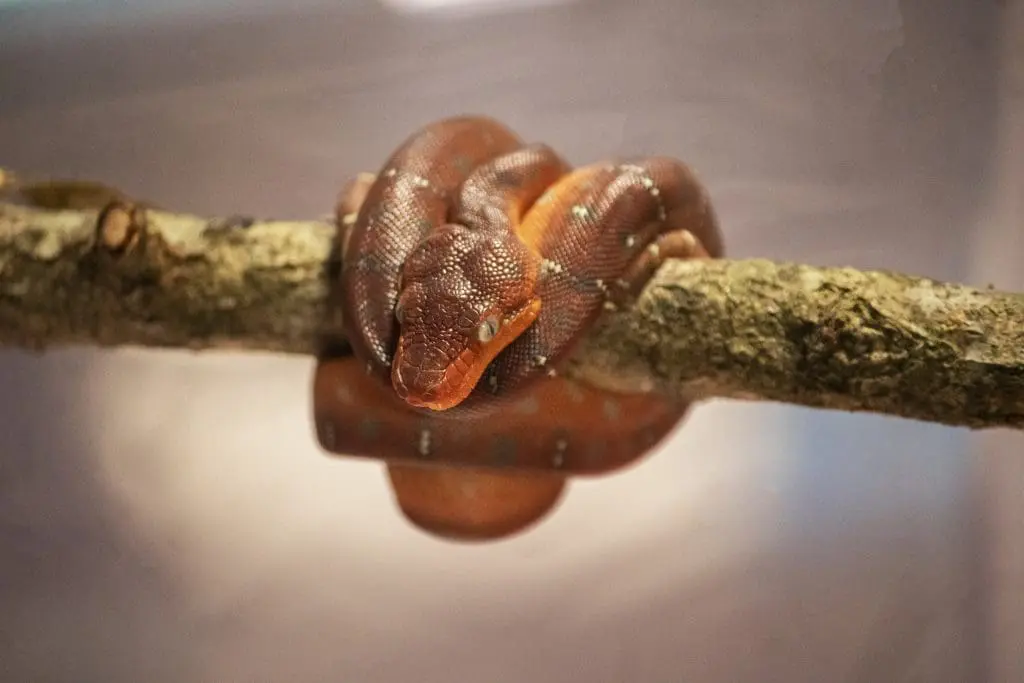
(106, 271)
(836, 338)
(152, 278)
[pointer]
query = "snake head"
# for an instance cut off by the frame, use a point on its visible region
(464, 296)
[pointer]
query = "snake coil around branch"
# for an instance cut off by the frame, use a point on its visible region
(827, 337)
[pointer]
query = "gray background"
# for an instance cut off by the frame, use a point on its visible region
(167, 517)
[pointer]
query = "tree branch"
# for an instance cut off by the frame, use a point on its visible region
(834, 338)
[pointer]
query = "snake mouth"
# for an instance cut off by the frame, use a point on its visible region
(424, 377)
(420, 375)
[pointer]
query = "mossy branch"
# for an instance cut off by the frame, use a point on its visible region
(73, 273)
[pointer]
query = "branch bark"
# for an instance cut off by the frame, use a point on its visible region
(835, 338)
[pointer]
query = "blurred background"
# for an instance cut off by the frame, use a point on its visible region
(168, 517)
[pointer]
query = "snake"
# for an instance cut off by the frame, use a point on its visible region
(472, 264)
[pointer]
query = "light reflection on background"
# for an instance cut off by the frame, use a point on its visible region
(166, 516)
(451, 8)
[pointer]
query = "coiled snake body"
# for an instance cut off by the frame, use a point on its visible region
(474, 264)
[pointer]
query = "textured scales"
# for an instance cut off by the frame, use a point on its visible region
(591, 228)
(411, 197)
(469, 289)
(483, 225)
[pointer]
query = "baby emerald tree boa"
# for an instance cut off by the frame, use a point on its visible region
(471, 265)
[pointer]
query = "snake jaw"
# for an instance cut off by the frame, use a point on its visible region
(423, 380)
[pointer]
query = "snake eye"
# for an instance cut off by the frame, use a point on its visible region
(487, 329)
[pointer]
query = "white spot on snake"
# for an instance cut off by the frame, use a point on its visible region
(425, 442)
(647, 182)
(654, 191)
(540, 360)
(610, 306)
(630, 240)
(549, 266)
(552, 372)
(391, 173)
(599, 283)
(349, 218)
(580, 211)
(654, 249)
(420, 181)
(492, 382)
(561, 446)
